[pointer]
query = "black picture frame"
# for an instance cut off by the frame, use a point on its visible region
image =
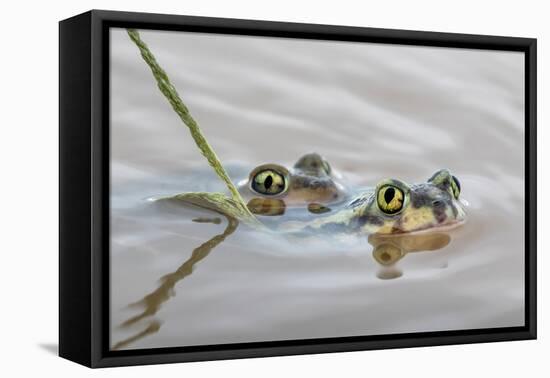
(84, 188)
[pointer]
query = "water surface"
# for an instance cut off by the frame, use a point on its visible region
(374, 111)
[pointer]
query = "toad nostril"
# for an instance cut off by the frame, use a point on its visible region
(437, 203)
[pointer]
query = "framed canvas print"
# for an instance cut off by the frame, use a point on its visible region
(234, 188)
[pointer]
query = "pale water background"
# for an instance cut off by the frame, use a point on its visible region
(374, 111)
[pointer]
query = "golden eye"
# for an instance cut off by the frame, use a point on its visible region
(455, 187)
(269, 182)
(390, 199)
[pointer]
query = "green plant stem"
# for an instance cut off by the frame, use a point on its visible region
(171, 94)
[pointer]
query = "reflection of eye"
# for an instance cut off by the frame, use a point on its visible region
(266, 206)
(317, 208)
(387, 254)
(455, 186)
(268, 182)
(390, 199)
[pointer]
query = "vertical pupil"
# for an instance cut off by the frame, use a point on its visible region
(457, 183)
(268, 181)
(389, 194)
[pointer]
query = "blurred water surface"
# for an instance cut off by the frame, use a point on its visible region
(374, 111)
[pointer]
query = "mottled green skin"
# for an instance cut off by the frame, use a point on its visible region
(427, 206)
(310, 180)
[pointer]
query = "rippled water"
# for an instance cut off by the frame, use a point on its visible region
(374, 111)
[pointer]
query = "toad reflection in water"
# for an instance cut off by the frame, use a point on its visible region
(387, 251)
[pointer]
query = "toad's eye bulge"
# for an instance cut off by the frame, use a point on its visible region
(455, 186)
(268, 182)
(390, 199)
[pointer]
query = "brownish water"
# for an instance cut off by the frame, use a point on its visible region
(374, 111)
